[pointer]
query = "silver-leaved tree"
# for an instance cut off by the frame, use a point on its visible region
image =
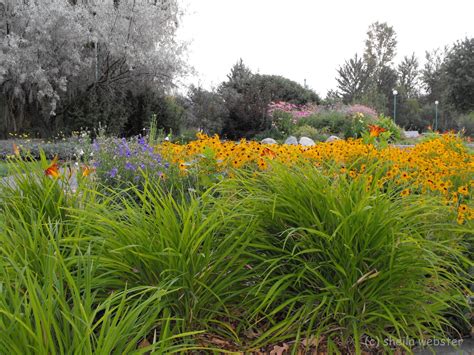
(65, 64)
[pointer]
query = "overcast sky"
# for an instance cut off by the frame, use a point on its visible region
(309, 39)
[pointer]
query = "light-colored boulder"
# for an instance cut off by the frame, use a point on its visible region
(307, 142)
(268, 141)
(291, 140)
(411, 134)
(333, 138)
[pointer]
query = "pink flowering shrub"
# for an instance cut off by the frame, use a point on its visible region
(301, 111)
(296, 111)
(365, 110)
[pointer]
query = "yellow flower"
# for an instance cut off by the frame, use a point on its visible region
(463, 208)
(405, 192)
(463, 190)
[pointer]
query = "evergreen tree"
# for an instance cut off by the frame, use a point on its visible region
(353, 79)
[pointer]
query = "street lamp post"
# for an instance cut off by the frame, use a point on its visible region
(436, 115)
(395, 93)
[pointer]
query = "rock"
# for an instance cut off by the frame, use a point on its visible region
(268, 141)
(291, 140)
(411, 134)
(333, 138)
(307, 142)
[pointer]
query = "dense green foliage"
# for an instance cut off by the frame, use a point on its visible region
(279, 256)
(460, 75)
(336, 258)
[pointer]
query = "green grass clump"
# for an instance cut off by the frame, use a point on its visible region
(279, 256)
(347, 264)
(196, 244)
(6, 168)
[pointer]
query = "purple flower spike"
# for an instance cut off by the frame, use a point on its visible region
(113, 172)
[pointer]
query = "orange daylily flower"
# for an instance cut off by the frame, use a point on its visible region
(87, 170)
(375, 130)
(16, 150)
(53, 168)
(268, 152)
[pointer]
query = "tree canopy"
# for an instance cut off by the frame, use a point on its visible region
(248, 95)
(58, 51)
(459, 69)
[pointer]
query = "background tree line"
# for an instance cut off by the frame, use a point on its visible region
(74, 64)
(67, 64)
(447, 77)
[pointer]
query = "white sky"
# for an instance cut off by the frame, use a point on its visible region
(304, 39)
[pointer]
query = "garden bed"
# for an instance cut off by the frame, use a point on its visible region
(241, 247)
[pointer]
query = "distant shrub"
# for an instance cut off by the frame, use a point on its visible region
(273, 132)
(357, 125)
(310, 132)
(186, 136)
(368, 112)
(283, 122)
(297, 112)
(207, 110)
(331, 121)
(390, 126)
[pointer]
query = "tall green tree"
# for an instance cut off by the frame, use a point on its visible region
(433, 75)
(380, 47)
(380, 50)
(459, 71)
(353, 78)
(408, 75)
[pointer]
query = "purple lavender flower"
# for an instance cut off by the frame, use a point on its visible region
(129, 166)
(96, 146)
(113, 172)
